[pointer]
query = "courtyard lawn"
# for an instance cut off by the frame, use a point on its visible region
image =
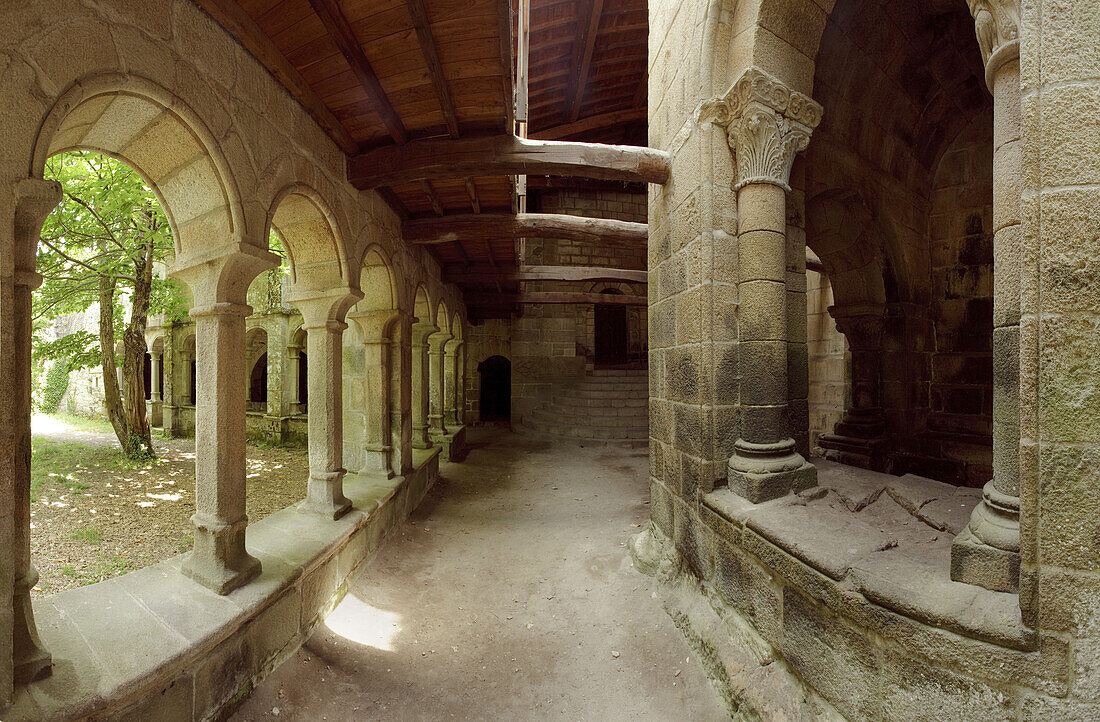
(96, 514)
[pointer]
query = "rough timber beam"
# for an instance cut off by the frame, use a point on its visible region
(240, 25)
(528, 297)
(505, 155)
(488, 227)
(485, 273)
(341, 31)
(582, 57)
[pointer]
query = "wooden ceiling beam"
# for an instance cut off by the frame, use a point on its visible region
(592, 122)
(240, 25)
(582, 57)
(488, 227)
(423, 28)
(471, 192)
(433, 197)
(507, 63)
(489, 300)
(342, 33)
(484, 273)
(505, 155)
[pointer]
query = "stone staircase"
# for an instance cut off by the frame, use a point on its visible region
(607, 407)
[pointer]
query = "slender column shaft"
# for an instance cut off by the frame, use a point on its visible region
(293, 394)
(379, 448)
(460, 384)
(987, 552)
(438, 367)
(169, 415)
(325, 494)
(154, 373)
(421, 383)
(219, 559)
(30, 660)
(401, 393)
(450, 385)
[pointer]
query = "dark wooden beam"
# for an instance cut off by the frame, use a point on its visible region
(507, 64)
(341, 31)
(433, 198)
(471, 191)
(592, 122)
(582, 56)
(505, 155)
(482, 300)
(484, 273)
(423, 28)
(240, 25)
(488, 227)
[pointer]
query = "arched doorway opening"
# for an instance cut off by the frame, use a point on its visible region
(611, 335)
(257, 381)
(496, 389)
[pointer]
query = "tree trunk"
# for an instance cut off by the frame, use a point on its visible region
(133, 359)
(112, 400)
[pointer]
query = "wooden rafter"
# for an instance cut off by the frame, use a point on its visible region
(484, 273)
(507, 66)
(471, 192)
(342, 33)
(505, 155)
(592, 122)
(557, 297)
(239, 24)
(423, 28)
(488, 227)
(589, 26)
(433, 197)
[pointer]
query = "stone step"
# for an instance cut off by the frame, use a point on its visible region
(627, 402)
(599, 412)
(619, 373)
(623, 389)
(541, 425)
(556, 416)
(638, 443)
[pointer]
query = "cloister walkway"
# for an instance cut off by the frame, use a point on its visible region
(507, 595)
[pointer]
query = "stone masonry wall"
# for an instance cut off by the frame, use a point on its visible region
(829, 360)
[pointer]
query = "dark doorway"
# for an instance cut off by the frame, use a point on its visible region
(257, 382)
(193, 394)
(147, 374)
(496, 389)
(303, 381)
(610, 331)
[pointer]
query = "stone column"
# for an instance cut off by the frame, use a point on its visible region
(34, 199)
(767, 125)
(437, 349)
(322, 317)
(293, 395)
(374, 328)
(219, 559)
(154, 374)
(450, 382)
(421, 383)
(169, 416)
(460, 385)
(859, 437)
(401, 392)
(987, 552)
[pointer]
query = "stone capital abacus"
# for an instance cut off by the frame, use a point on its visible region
(997, 26)
(767, 125)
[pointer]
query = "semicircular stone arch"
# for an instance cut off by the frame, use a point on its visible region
(314, 247)
(154, 132)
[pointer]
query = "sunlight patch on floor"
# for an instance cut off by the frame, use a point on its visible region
(359, 622)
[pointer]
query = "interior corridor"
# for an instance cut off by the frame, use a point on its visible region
(508, 594)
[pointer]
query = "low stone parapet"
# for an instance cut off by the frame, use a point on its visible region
(153, 644)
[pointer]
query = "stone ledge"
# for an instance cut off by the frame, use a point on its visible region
(886, 539)
(152, 644)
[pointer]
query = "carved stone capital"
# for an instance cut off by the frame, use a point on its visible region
(767, 124)
(997, 25)
(860, 324)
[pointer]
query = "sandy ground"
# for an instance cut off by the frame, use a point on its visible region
(509, 595)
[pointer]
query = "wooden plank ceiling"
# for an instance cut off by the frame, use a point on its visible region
(377, 73)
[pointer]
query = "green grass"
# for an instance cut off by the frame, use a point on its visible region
(64, 466)
(85, 423)
(91, 535)
(104, 568)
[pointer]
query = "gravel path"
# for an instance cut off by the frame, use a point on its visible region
(508, 595)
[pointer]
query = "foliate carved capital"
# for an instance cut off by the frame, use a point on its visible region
(767, 124)
(997, 25)
(861, 324)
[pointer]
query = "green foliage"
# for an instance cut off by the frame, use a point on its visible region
(99, 231)
(57, 383)
(88, 534)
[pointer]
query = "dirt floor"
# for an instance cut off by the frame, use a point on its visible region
(508, 595)
(96, 514)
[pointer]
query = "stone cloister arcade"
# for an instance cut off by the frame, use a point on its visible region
(933, 555)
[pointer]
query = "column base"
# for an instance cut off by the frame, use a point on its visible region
(987, 552)
(325, 495)
(219, 560)
(762, 472)
(30, 660)
(436, 425)
(420, 438)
